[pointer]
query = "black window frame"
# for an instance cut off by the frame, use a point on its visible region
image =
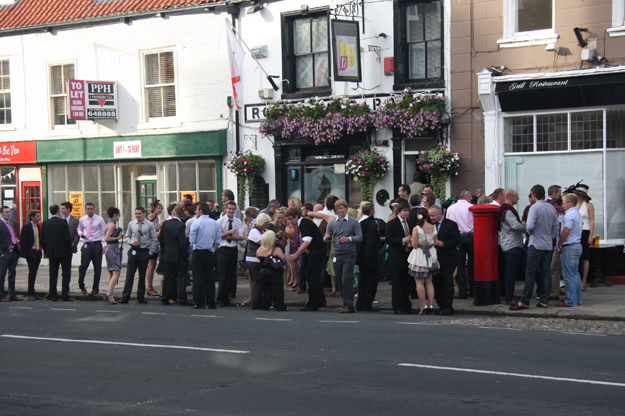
(289, 90)
(401, 50)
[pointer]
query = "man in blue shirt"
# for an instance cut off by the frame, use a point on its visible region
(205, 237)
(570, 245)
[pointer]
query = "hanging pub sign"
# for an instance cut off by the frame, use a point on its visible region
(346, 44)
(91, 100)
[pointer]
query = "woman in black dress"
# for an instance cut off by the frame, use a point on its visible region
(270, 279)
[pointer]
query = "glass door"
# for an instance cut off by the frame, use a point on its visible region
(31, 200)
(146, 193)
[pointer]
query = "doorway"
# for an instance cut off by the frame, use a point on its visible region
(31, 199)
(146, 193)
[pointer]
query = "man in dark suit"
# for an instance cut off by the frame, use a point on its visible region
(175, 257)
(368, 260)
(57, 243)
(398, 237)
(30, 247)
(312, 242)
(8, 255)
(66, 212)
(447, 253)
(415, 204)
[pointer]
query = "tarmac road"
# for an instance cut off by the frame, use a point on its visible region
(83, 358)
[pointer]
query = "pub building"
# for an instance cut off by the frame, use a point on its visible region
(20, 183)
(559, 128)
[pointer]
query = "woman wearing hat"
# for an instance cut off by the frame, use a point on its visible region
(587, 210)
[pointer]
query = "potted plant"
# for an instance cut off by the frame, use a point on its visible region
(323, 122)
(245, 166)
(411, 114)
(440, 163)
(367, 167)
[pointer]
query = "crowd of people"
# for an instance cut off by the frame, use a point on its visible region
(424, 249)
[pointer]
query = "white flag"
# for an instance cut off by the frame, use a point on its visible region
(235, 54)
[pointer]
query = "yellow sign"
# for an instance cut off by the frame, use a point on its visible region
(75, 198)
(183, 196)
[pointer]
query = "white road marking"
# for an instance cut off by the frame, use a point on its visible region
(271, 319)
(153, 313)
(343, 322)
(501, 373)
(207, 316)
(417, 323)
(59, 309)
(126, 344)
(20, 307)
(584, 333)
(495, 327)
(97, 310)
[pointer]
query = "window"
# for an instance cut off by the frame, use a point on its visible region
(519, 134)
(59, 75)
(419, 58)
(5, 93)
(306, 58)
(160, 85)
(618, 18)
(528, 22)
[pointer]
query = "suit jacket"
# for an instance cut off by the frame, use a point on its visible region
(55, 238)
(214, 215)
(450, 236)
(5, 237)
(397, 254)
(73, 232)
(412, 218)
(172, 240)
(27, 238)
(369, 250)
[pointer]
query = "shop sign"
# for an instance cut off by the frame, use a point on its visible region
(91, 100)
(125, 150)
(75, 198)
(18, 152)
(346, 41)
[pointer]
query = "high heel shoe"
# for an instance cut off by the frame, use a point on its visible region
(108, 301)
(333, 294)
(429, 310)
(421, 311)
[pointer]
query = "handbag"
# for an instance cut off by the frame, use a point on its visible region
(117, 232)
(274, 264)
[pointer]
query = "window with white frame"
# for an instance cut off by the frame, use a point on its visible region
(160, 85)
(528, 22)
(618, 18)
(59, 75)
(5, 93)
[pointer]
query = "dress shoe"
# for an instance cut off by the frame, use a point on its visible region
(212, 307)
(5, 300)
(49, 296)
(447, 312)
(541, 305)
(165, 302)
(38, 297)
(227, 304)
(198, 307)
(400, 312)
(142, 301)
(518, 307)
(563, 305)
(172, 301)
(512, 302)
(123, 301)
(185, 303)
(371, 310)
(65, 300)
(347, 310)
(309, 309)
(31, 297)
(461, 297)
(93, 293)
(438, 312)
(16, 299)
(83, 290)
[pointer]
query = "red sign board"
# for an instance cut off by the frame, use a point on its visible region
(18, 152)
(90, 100)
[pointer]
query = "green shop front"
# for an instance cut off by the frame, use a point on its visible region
(127, 172)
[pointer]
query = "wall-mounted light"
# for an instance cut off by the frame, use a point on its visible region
(304, 9)
(257, 8)
(578, 35)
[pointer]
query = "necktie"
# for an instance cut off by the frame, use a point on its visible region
(407, 233)
(229, 225)
(36, 237)
(438, 226)
(88, 233)
(13, 240)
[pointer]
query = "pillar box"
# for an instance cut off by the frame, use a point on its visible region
(485, 254)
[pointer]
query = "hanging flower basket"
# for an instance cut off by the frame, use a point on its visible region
(440, 163)
(413, 115)
(317, 120)
(367, 167)
(245, 166)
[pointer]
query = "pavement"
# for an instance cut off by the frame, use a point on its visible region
(600, 303)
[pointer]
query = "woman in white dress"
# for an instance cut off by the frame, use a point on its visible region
(422, 262)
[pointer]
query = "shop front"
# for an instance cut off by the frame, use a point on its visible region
(558, 129)
(128, 172)
(20, 183)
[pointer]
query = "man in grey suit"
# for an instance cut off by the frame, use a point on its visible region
(66, 212)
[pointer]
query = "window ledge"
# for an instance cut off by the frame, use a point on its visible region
(160, 124)
(64, 131)
(617, 31)
(527, 40)
(7, 127)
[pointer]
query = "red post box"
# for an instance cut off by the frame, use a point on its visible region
(485, 254)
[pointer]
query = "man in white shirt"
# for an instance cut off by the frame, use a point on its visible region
(92, 229)
(460, 214)
(231, 233)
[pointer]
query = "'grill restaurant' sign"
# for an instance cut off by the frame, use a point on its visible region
(90, 100)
